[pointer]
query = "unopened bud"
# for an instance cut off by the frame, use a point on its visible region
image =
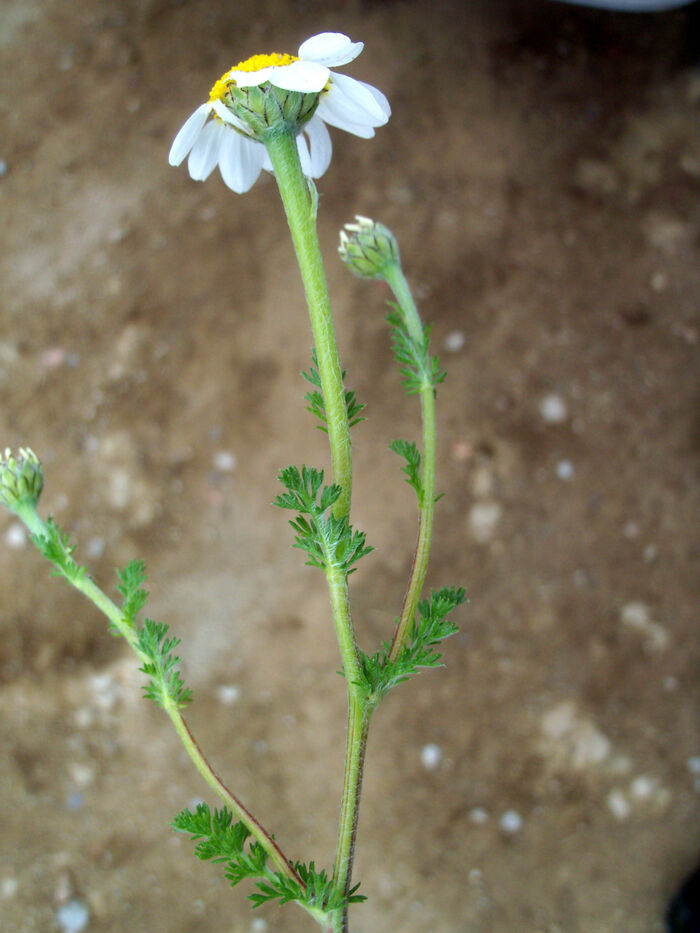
(368, 248)
(21, 478)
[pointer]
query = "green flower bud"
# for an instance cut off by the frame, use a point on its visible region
(368, 248)
(21, 478)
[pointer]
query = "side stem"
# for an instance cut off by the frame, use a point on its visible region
(89, 588)
(402, 292)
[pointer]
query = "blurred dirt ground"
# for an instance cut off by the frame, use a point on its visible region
(542, 171)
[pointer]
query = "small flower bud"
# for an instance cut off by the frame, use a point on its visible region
(368, 248)
(21, 478)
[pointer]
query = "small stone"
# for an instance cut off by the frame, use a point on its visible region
(643, 787)
(636, 616)
(16, 536)
(618, 805)
(476, 877)
(53, 357)
(659, 281)
(3, 168)
(478, 816)
(631, 530)
(227, 694)
(8, 887)
(95, 547)
(431, 756)
(565, 469)
(483, 518)
(105, 691)
(81, 775)
(570, 739)
(461, 451)
(693, 765)
(482, 482)
(553, 409)
(225, 461)
(258, 925)
(511, 822)
(455, 341)
(73, 916)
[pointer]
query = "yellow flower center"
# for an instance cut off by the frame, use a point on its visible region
(254, 63)
(258, 62)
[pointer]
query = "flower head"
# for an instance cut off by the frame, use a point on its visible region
(266, 93)
(368, 248)
(21, 478)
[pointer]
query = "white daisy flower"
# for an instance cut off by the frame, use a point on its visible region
(227, 139)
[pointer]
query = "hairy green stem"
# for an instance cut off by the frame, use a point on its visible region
(89, 588)
(300, 210)
(359, 714)
(301, 217)
(398, 284)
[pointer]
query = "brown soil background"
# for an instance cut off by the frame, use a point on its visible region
(542, 171)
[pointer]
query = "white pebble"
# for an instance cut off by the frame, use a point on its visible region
(478, 816)
(693, 765)
(3, 168)
(553, 409)
(431, 756)
(16, 536)
(258, 925)
(643, 787)
(631, 530)
(565, 469)
(455, 341)
(225, 461)
(8, 888)
(511, 822)
(618, 805)
(105, 691)
(483, 518)
(227, 694)
(73, 916)
(81, 775)
(95, 547)
(636, 616)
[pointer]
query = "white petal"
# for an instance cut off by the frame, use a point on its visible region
(366, 132)
(304, 156)
(205, 152)
(379, 98)
(250, 78)
(330, 48)
(334, 117)
(189, 131)
(240, 161)
(308, 77)
(320, 146)
(358, 103)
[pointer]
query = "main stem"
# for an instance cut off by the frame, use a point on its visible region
(301, 217)
(398, 284)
